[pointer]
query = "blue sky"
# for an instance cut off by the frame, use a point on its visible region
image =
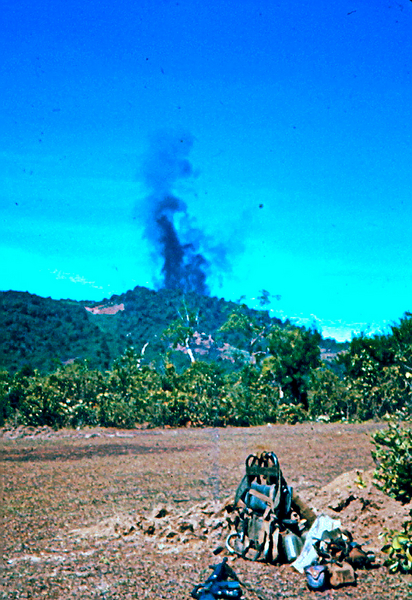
(296, 169)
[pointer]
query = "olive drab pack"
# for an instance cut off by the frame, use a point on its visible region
(263, 502)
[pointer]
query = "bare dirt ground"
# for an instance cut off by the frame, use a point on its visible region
(110, 514)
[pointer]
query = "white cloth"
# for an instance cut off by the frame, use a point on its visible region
(308, 553)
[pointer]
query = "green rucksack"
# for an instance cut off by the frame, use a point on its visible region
(263, 506)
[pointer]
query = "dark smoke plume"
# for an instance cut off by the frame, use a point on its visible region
(168, 226)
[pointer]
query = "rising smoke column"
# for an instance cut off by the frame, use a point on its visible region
(167, 223)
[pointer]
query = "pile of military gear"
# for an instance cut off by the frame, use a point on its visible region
(271, 519)
(338, 557)
(273, 524)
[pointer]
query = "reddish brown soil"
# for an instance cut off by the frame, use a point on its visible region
(78, 508)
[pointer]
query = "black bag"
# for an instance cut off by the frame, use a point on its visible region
(221, 584)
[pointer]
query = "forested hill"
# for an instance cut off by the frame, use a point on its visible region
(45, 333)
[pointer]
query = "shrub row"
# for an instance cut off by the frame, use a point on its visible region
(286, 381)
(130, 394)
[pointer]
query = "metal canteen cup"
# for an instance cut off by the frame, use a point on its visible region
(292, 545)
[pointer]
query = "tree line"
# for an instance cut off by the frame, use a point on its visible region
(279, 377)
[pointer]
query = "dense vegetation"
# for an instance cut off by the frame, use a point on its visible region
(150, 364)
(43, 333)
(393, 456)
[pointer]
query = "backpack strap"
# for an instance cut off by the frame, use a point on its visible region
(241, 490)
(257, 537)
(265, 498)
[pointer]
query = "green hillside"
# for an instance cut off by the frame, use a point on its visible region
(44, 333)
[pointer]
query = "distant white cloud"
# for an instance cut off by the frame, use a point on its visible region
(76, 279)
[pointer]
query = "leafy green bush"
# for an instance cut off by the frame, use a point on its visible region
(42, 404)
(5, 408)
(294, 353)
(251, 396)
(127, 391)
(398, 547)
(65, 398)
(291, 414)
(115, 411)
(378, 371)
(328, 396)
(203, 386)
(393, 456)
